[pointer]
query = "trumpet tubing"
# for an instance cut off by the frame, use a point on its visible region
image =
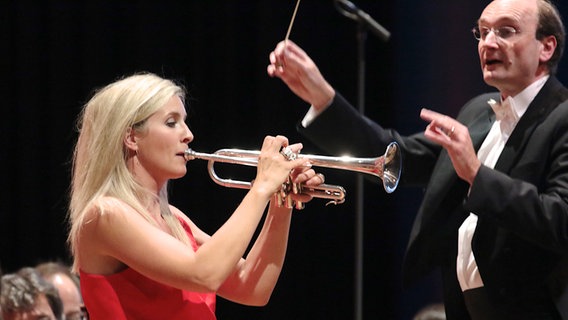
(386, 167)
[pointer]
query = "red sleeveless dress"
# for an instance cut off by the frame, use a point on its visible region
(130, 295)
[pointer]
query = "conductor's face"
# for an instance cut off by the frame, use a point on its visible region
(509, 52)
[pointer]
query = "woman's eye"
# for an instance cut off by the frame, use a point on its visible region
(171, 123)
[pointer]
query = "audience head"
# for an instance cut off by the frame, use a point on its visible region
(433, 311)
(67, 284)
(27, 296)
(1, 318)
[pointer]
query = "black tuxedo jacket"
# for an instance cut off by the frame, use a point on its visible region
(521, 240)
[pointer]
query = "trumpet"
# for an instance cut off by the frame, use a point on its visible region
(386, 167)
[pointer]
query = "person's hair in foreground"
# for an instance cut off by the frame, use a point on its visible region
(24, 294)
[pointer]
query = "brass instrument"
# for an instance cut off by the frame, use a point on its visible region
(387, 167)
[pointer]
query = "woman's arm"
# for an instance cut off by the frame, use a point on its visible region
(255, 277)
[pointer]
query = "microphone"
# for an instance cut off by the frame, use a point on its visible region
(351, 11)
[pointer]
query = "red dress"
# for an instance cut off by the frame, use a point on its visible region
(130, 295)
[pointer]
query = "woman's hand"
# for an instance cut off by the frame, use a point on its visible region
(273, 168)
(306, 176)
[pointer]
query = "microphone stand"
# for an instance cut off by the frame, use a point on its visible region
(365, 22)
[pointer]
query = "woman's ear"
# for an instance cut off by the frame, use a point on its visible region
(130, 140)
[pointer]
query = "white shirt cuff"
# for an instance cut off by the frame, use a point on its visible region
(310, 116)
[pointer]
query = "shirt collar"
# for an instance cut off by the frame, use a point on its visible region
(520, 103)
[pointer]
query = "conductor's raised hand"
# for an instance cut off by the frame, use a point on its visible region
(291, 64)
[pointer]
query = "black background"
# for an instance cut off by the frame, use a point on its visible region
(55, 53)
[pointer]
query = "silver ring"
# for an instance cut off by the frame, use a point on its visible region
(451, 132)
(288, 154)
(321, 176)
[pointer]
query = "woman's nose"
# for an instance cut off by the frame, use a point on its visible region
(188, 135)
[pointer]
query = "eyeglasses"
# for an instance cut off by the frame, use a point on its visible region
(503, 33)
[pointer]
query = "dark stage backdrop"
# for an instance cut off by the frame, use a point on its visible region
(54, 53)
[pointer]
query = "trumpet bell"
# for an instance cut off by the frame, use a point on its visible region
(392, 167)
(386, 167)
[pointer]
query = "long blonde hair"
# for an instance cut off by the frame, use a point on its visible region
(99, 158)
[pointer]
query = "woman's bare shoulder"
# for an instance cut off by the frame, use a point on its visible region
(106, 218)
(107, 207)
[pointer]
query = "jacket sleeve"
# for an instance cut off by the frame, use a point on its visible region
(342, 130)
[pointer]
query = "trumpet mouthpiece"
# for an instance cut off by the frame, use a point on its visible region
(189, 154)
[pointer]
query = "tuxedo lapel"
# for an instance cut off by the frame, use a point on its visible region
(480, 127)
(545, 101)
(516, 142)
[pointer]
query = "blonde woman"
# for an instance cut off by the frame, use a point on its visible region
(140, 257)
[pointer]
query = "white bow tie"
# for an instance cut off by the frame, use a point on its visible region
(505, 112)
